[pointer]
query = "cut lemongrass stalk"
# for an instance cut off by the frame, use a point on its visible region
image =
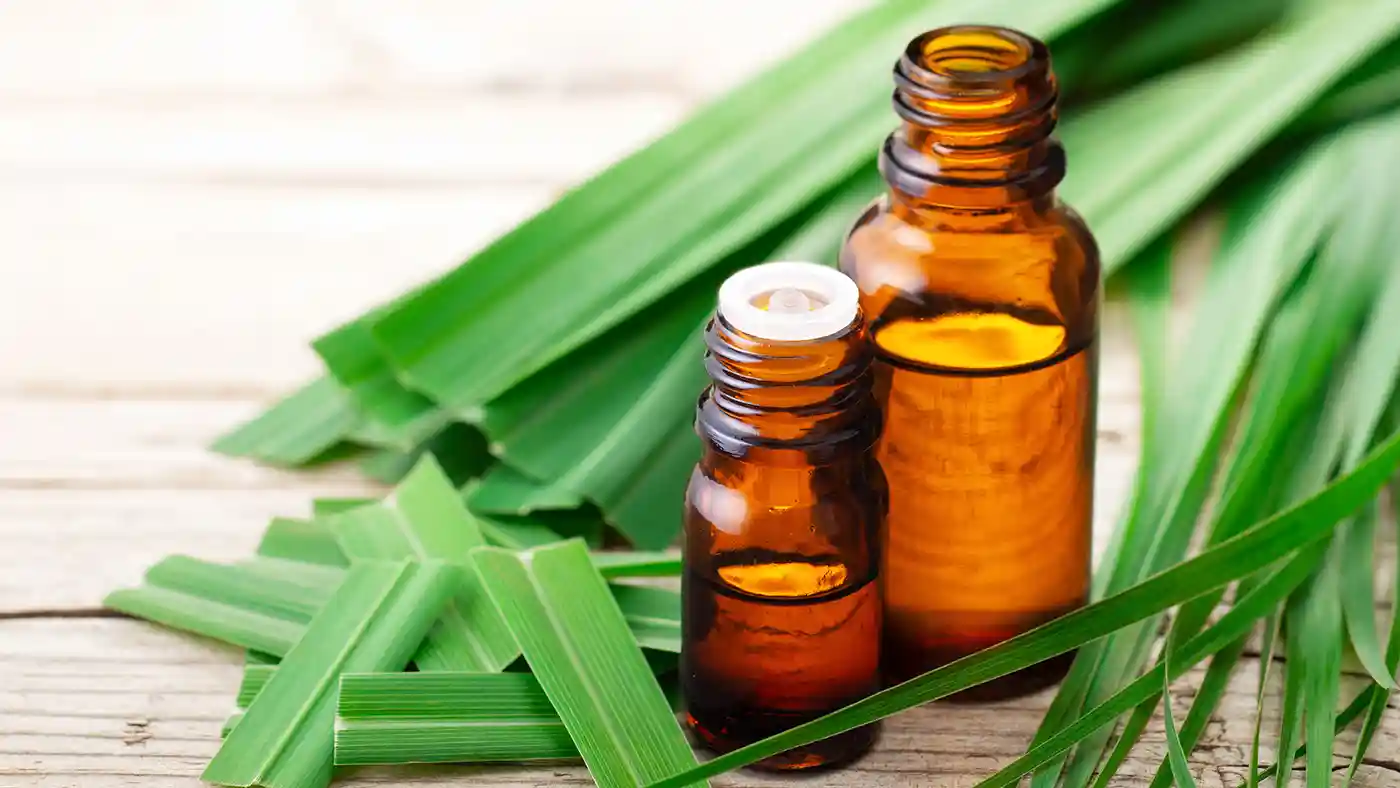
(624, 563)
(308, 541)
(387, 718)
(577, 643)
(297, 430)
(255, 677)
(233, 625)
(374, 622)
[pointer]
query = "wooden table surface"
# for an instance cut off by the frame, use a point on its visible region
(190, 191)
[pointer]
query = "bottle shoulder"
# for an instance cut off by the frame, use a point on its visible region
(921, 263)
(1058, 231)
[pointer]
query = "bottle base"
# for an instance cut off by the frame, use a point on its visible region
(905, 656)
(831, 753)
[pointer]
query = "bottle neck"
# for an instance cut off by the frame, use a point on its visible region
(808, 398)
(978, 106)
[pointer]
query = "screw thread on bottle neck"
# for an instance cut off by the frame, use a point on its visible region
(979, 107)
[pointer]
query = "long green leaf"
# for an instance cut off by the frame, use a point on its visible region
(1380, 701)
(373, 623)
(1250, 551)
(1344, 718)
(231, 624)
(302, 427)
(1176, 754)
(1266, 661)
(576, 640)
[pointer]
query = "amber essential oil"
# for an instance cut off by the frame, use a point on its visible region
(782, 605)
(980, 290)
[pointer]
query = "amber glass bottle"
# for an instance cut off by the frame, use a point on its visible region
(980, 292)
(783, 513)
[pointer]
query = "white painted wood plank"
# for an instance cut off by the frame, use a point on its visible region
(698, 47)
(212, 286)
(80, 50)
(343, 142)
(94, 50)
(138, 444)
(65, 549)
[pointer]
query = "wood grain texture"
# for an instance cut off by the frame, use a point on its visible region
(190, 190)
(115, 702)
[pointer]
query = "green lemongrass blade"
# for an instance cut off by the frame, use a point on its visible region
(653, 614)
(1128, 736)
(272, 593)
(459, 448)
(1345, 717)
(575, 638)
(400, 418)
(1250, 551)
(1370, 88)
(425, 519)
(259, 658)
(387, 718)
(1357, 540)
(1208, 696)
(517, 533)
(504, 490)
(1290, 722)
(632, 563)
(1266, 661)
(297, 577)
(309, 541)
(1236, 101)
(320, 507)
(233, 625)
(1176, 754)
(296, 431)
(607, 431)
(255, 677)
(266, 608)
(1376, 707)
(520, 532)
(1322, 667)
(230, 724)
(1154, 38)
(373, 623)
(1233, 625)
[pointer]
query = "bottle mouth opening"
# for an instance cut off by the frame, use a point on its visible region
(975, 53)
(789, 301)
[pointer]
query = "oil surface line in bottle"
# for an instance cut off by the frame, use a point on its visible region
(782, 607)
(980, 292)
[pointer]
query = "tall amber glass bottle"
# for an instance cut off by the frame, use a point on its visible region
(782, 608)
(980, 291)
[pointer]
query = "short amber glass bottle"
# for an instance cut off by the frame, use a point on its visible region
(980, 291)
(783, 513)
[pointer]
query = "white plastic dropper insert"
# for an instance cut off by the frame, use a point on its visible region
(789, 301)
